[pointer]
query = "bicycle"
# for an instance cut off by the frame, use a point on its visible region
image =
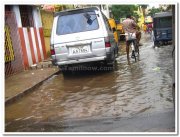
(135, 49)
(131, 37)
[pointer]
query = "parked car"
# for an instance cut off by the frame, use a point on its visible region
(162, 27)
(82, 36)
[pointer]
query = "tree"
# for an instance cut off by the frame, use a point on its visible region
(162, 8)
(153, 10)
(121, 11)
(144, 7)
(165, 7)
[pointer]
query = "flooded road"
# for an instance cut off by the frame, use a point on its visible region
(134, 89)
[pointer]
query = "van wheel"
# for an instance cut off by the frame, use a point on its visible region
(108, 66)
(114, 57)
(65, 71)
(111, 65)
(116, 51)
(156, 44)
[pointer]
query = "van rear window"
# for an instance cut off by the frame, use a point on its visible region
(77, 22)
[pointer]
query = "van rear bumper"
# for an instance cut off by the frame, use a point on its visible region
(68, 62)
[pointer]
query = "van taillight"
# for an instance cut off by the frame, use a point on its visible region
(52, 50)
(107, 42)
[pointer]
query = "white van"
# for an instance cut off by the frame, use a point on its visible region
(82, 36)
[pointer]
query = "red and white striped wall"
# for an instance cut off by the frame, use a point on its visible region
(32, 39)
(33, 46)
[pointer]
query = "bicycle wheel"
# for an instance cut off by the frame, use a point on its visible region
(133, 50)
(136, 47)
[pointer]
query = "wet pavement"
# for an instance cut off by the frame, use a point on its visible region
(18, 85)
(134, 90)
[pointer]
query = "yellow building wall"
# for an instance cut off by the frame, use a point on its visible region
(47, 22)
(47, 18)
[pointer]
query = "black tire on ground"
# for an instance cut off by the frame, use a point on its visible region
(136, 46)
(65, 71)
(110, 66)
(117, 50)
(156, 43)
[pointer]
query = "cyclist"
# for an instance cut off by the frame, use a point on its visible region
(129, 26)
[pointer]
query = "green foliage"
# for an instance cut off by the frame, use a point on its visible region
(120, 11)
(153, 10)
(165, 8)
(144, 6)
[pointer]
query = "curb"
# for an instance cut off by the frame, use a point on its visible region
(26, 91)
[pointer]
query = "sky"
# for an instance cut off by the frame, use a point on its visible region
(154, 5)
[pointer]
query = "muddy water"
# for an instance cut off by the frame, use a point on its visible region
(134, 88)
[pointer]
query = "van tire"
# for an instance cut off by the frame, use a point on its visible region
(116, 50)
(65, 70)
(112, 63)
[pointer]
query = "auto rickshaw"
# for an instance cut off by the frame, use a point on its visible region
(120, 29)
(114, 28)
(162, 28)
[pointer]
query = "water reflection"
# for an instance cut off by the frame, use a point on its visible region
(133, 88)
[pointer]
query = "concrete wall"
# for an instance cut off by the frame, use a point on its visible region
(32, 39)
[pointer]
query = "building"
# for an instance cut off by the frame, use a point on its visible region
(24, 39)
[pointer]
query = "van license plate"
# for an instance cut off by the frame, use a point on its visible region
(79, 50)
